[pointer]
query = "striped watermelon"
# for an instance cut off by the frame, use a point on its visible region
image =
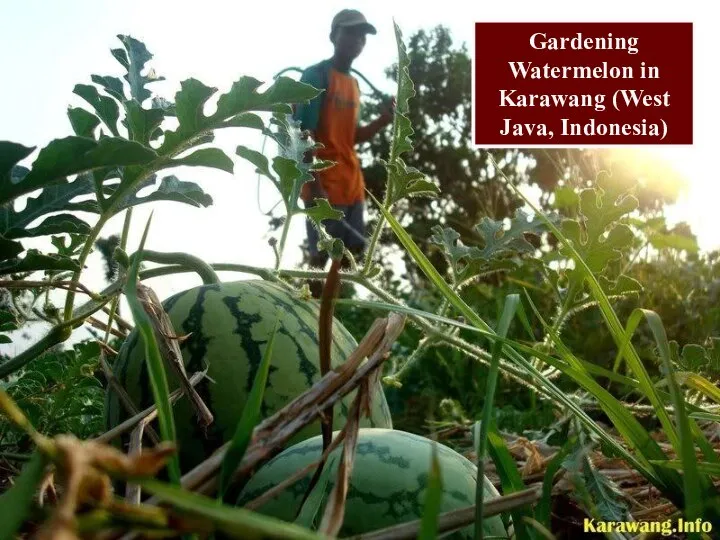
(229, 325)
(387, 485)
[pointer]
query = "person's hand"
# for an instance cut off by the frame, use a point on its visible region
(387, 114)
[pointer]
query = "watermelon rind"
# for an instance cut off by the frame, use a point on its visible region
(228, 326)
(387, 485)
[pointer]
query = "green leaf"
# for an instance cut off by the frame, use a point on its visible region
(8, 323)
(449, 239)
(9, 248)
(501, 247)
(112, 85)
(141, 122)
(321, 164)
(106, 108)
(622, 286)
(605, 500)
(249, 418)
(566, 197)
(10, 154)
(76, 241)
(134, 61)
(257, 159)
(499, 242)
(121, 56)
(237, 522)
(189, 103)
(674, 241)
(243, 97)
(170, 189)
(36, 261)
(290, 175)
(52, 198)
(322, 211)
(156, 368)
(83, 122)
(73, 155)
(17, 502)
(433, 499)
(60, 223)
(597, 236)
(207, 157)
(245, 120)
(404, 181)
(402, 127)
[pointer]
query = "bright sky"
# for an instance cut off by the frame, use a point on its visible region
(48, 47)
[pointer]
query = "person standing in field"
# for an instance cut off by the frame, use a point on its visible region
(332, 119)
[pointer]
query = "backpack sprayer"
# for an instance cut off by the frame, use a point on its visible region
(374, 92)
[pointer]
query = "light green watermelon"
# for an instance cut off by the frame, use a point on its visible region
(229, 325)
(387, 485)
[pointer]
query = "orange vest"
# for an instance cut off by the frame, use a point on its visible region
(336, 128)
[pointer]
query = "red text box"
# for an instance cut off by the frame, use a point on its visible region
(569, 84)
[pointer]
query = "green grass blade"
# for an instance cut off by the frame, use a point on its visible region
(621, 338)
(544, 506)
(699, 383)
(433, 499)
(510, 479)
(15, 503)
(633, 432)
(238, 522)
(315, 501)
(713, 469)
(156, 368)
(511, 303)
(705, 416)
(249, 418)
(636, 436)
(693, 483)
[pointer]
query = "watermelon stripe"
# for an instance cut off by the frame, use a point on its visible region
(228, 325)
(387, 485)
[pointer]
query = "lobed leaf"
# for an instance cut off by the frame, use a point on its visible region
(170, 189)
(83, 122)
(207, 157)
(52, 198)
(73, 155)
(134, 61)
(106, 108)
(112, 85)
(35, 261)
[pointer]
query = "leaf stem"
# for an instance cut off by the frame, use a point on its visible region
(123, 246)
(87, 248)
(283, 237)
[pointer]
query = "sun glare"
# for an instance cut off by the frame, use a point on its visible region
(677, 171)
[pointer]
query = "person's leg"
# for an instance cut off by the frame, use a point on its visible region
(354, 235)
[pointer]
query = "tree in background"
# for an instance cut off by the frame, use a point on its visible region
(469, 187)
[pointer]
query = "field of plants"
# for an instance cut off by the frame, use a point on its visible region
(520, 377)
